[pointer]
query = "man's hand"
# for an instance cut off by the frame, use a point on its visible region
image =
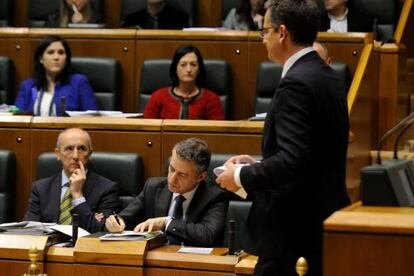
(226, 179)
(113, 226)
(153, 224)
(77, 16)
(99, 216)
(77, 180)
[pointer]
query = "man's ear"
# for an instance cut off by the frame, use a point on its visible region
(283, 32)
(57, 152)
(202, 176)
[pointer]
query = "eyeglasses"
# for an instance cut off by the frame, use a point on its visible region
(264, 31)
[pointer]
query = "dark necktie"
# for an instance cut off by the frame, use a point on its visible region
(178, 208)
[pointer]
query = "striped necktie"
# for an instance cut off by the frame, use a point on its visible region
(65, 216)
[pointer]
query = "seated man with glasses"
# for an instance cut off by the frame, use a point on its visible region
(74, 190)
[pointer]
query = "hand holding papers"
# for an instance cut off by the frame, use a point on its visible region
(219, 170)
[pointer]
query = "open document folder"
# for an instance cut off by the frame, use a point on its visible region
(130, 236)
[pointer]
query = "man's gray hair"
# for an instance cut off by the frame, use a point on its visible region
(59, 139)
(195, 150)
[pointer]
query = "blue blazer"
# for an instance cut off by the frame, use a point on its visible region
(78, 92)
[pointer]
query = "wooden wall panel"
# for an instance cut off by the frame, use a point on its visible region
(209, 13)
(18, 51)
(18, 141)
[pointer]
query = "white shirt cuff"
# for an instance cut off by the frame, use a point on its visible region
(240, 192)
(78, 201)
(167, 222)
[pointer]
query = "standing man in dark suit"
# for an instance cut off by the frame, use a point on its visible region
(75, 190)
(339, 17)
(301, 179)
(183, 205)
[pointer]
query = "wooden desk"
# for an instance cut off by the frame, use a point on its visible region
(361, 240)
(92, 257)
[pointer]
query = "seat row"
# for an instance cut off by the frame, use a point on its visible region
(104, 74)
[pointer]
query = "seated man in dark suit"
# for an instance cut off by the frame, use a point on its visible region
(157, 15)
(186, 207)
(74, 190)
(339, 17)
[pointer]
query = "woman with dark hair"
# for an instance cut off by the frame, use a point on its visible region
(73, 12)
(185, 98)
(247, 16)
(53, 82)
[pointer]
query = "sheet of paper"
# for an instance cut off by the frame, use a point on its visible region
(67, 230)
(195, 250)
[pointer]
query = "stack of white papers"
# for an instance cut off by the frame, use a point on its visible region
(27, 227)
(130, 236)
(104, 113)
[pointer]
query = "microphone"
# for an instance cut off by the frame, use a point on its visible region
(375, 27)
(75, 226)
(63, 106)
(403, 124)
(231, 236)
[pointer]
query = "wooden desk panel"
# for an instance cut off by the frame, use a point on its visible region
(16, 268)
(107, 270)
(361, 241)
(59, 269)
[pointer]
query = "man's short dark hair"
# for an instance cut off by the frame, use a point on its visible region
(301, 18)
(195, 150)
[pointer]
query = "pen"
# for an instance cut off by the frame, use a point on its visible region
(116, 218)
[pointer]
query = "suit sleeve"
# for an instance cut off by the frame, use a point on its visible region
(108, 203)
(33, 208)
(135, 211)
(208, 231)
(292, 114)
(23, 98)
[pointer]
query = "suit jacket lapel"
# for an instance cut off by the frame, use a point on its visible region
(197, 203)
(89, 182)
(55, 193)
(163, 200)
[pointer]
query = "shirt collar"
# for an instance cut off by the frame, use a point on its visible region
(341, 18)
(188, 195)
(293, 58)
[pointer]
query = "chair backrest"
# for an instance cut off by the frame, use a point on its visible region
(5, 12)
(189, 7)
(226, 6)
(385, 11)
(6, 80)
(104, 75)
(239, 212)
(40, 10)
(268, 78)
(155, 74)
(7, 185)
(126, 169)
